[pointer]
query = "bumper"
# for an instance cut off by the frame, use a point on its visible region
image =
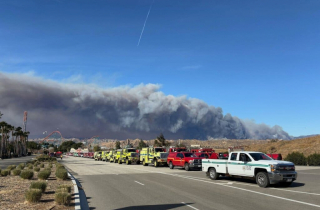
(282, 177)
(197, 165)
(162, 160)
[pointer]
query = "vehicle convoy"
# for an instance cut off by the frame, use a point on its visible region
(128, 156)
(254, 165)
(187, 160)
(104, 155)
(111, 156)
(153, 155)
(97, 155)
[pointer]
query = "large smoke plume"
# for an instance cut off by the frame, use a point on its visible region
(123, 112)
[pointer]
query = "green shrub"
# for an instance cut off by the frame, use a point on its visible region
(39, 185)
(15, 172)
(41, 165)
(29, 162)
(11, 167)
(33, 195)
(62, 174)
(59, 166)
(21, 165)
(5, 172)
(37, 169)
(66, 187)
(297, 158)
(30, 167)
(43, 175)
(45, 158)
(26, 174)
(314, 160)
(62, 198)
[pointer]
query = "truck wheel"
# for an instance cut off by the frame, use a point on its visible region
(156, 164)
(127, 162)
(119, 161)
(144, 163)
(186, 167)
(171, 165)
(262, 179)
(138, 162)
(213, 174)
(115, 161)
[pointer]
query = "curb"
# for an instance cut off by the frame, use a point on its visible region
(77, 205)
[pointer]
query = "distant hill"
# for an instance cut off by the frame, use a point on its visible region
(306, 145)
(306, 136)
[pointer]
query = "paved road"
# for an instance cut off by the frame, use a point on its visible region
(14, 161)
(128, 187)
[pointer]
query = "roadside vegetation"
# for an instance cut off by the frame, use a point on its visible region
(44, 186)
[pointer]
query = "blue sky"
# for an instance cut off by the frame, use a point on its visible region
(255, 59)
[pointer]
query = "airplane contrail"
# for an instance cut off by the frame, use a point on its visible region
(144, 25)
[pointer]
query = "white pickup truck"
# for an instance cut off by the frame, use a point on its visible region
(255, 165)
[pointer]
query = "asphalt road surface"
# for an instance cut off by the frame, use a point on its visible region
(4, 163)
(128, 187)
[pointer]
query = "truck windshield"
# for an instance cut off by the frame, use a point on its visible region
(131, 150)
(189, 155)
(260, 156)
(159, 149)
(134, 154)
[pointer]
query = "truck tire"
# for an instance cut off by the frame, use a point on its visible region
(138, 162)
(127, 162)
(119, 161)
(262, 179)
(213, 174)
(144, 163)
(186, 167)
(171, 165)
(156, 164)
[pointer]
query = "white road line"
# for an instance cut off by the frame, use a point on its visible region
(238, 188)
(189, 206)
(295, 191)
(139, 182)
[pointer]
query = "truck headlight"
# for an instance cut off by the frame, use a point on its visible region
(274, 168)
(190, 161)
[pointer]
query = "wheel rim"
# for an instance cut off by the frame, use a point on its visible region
(170, 165)
(212, 173)
(261, 179)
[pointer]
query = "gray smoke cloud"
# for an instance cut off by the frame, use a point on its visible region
(122, 112)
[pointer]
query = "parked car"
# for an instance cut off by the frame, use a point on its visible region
(187, 160)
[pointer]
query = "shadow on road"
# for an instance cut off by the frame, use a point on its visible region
(155, 207)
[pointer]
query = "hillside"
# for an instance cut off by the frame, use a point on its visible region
(307, 145)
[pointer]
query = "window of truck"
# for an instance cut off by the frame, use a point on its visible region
(260, 156)
(159, 150)
(244, 157)
(234, 156)
(189, 155)
(131, 150)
